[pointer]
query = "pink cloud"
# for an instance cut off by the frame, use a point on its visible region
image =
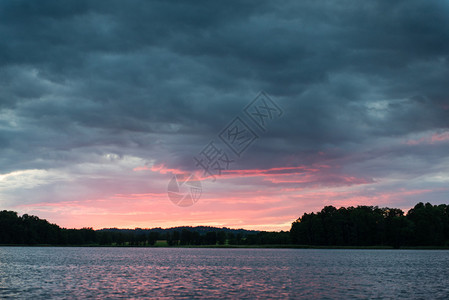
(440, 137)
(268, 209)
(268, 199)
(160, 169)
(432, 139)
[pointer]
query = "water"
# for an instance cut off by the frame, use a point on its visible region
(28, 272)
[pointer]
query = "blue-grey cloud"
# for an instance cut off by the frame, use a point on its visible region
(158, 80)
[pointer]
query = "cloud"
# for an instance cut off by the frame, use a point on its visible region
(363, 87)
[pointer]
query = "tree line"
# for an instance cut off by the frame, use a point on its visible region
(31, 230)
(423, 225)
(187, 237)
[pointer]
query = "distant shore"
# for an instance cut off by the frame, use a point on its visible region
(243, 247)
(425, 226)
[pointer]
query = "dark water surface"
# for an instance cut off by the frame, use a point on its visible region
(53, 272)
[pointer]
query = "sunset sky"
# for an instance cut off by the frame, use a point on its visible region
(103, 102)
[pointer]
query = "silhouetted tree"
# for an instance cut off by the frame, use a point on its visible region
(424, 225)
(221, 237)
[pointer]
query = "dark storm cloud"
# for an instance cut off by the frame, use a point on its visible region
(160, 79)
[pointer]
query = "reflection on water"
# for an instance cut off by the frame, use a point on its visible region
(53, 272)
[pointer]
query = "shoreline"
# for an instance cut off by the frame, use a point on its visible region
(288, 246)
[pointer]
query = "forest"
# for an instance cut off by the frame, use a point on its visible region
(31, 230)
(423, 225)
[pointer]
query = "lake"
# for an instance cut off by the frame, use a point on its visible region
(58, 272)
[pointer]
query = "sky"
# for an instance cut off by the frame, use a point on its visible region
(104, 105)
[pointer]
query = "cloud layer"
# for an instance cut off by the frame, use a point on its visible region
(101, 102)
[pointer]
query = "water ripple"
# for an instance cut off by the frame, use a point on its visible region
(166, 273)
